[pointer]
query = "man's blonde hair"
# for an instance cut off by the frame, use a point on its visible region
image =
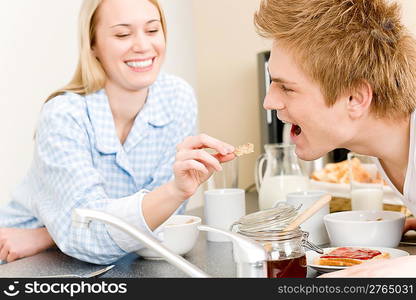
(340, 44)
(89, 76)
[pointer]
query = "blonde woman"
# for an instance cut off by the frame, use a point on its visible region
(117, 138)
(344, 75)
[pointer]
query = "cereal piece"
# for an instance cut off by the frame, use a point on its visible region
(244, 149)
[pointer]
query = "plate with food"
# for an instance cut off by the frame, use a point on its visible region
(339, 258)
(334, 178)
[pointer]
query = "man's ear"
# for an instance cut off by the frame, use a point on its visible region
(359, 101)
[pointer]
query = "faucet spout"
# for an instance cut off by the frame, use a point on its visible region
(246, 249)
(249, 256)
(83, 217)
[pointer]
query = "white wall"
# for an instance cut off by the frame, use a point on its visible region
(39, 53)
(181, 53)
(181, 48)
(409, 14)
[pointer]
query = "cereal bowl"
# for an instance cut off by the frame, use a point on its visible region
(179, 234)
(365, 228)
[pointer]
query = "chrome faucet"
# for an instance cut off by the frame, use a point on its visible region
(248, 255)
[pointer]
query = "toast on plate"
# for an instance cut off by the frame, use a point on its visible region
(349, 256)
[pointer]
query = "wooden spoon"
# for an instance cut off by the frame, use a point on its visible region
(305, 215)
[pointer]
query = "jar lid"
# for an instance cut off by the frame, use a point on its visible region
(273, 219)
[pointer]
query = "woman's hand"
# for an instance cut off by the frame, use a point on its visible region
(17, 243)
(398, 267)
(193, 165)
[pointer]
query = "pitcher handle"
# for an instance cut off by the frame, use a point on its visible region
(258, 175)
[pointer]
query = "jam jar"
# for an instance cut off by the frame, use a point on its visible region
(285, 249)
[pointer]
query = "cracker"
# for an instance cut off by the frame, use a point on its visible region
(244, 149)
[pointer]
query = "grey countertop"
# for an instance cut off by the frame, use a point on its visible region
(215, 258)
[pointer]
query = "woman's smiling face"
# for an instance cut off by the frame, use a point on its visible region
(316, 128)
(129, 42)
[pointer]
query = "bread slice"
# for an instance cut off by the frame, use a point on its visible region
(339, 172)
(349, 256)
(244, 149)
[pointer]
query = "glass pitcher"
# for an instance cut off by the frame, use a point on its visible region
(282, 174)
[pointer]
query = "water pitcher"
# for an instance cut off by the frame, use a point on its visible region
(278, 173)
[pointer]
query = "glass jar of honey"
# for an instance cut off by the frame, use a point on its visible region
(286, 257)
(285, 249)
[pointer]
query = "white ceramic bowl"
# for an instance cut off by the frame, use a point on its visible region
(365, 228)
(179, 234)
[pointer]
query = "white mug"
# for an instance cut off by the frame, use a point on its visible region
(222, 208)
(315, 224)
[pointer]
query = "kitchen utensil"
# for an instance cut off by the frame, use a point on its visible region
(305, 215)
(88, 275)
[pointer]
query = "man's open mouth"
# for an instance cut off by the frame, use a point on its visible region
(296, 130)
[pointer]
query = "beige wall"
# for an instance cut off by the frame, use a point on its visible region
(409, 14)
(227, 88)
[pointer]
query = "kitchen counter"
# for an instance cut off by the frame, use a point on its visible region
(215, 258)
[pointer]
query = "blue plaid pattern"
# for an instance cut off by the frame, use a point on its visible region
(80, 162)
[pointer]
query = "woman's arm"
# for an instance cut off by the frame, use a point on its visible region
(192, 167)
(68, 179)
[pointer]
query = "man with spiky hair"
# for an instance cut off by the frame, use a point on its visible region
(344, 75)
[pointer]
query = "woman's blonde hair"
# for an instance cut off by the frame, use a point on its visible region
(89, 76)
(342, 43)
